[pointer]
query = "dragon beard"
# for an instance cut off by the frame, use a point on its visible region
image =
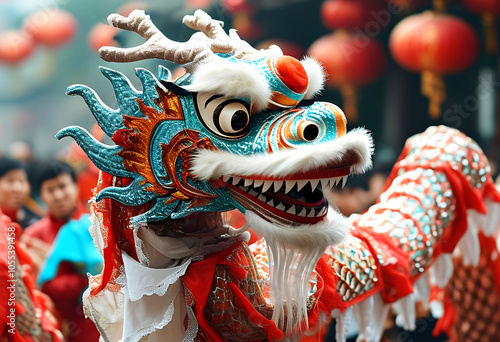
(293, 253)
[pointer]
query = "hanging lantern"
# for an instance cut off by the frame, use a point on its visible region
(489, 10)
(101, 35)
(237, 6)
(434, 44)
(355, 14)
(52, 27)
(15, 46)
(351, 61)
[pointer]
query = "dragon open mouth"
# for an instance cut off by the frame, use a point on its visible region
(286, 187)
(291, 200)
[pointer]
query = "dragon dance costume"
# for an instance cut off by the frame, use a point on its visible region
(241, 130)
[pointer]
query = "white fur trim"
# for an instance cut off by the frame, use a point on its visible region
(316, 75)
(232, 80)
(208, 164)
(293, 252)
(329, 232)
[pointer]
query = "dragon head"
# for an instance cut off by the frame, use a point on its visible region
(240, 130)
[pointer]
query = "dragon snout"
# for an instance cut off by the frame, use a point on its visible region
(318, 123)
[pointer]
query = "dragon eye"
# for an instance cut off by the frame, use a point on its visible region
(225, 117)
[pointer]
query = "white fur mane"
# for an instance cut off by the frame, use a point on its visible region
(209, 164)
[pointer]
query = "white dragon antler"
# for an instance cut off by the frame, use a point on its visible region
(157, 45)
(199, 49)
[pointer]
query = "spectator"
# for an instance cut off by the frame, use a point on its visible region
(63, 250)
(26, 314)
(14, 192)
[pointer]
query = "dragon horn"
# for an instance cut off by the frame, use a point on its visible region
(213, 29)
(159, 46)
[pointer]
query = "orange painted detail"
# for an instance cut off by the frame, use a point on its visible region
(282, 100)
(283, 134)
(135, 139)
(340, 119)
(139, 132)
(180, 147)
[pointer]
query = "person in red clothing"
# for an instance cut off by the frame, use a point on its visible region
(59, 192)
(14, 192)
(26, 314)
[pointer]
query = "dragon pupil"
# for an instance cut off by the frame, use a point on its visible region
(239, 120)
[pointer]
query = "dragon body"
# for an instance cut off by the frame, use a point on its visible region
(241, 130)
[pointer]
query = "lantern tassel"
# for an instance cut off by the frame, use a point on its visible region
(350, 98)
(439, 5)
(490, 32)
(434, 88)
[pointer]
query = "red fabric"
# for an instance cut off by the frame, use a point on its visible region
(327, 297)
(114, 217)
(9, 235)
(394, 278)
(67, 287)
(66, 291)
(195, 279)
(445, 323)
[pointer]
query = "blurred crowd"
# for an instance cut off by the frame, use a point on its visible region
(44, 206)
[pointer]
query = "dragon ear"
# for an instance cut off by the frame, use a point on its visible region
(316, 75)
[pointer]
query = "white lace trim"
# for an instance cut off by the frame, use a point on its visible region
(167, 317)
(192, 328)
(164, 278)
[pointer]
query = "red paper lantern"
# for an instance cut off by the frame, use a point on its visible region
(355, 14)
(237, 6)
(489, 10)
(101, 35)
(52, 27)
(351, 61)
(15, 46)
(434, 44)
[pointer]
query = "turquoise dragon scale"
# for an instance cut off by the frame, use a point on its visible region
(241, 131)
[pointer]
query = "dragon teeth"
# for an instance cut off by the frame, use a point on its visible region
(303, 213)
(289, 186)
(344, 181)
(276, 185)
(257, 183)
(281, 207)
(267, 185)
(314, 183)
(301, 184)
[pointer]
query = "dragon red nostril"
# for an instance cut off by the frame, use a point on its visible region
(292, 73)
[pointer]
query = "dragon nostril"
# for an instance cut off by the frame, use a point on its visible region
(308, 131)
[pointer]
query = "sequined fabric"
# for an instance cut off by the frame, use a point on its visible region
(223, 310)
(355, 268)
